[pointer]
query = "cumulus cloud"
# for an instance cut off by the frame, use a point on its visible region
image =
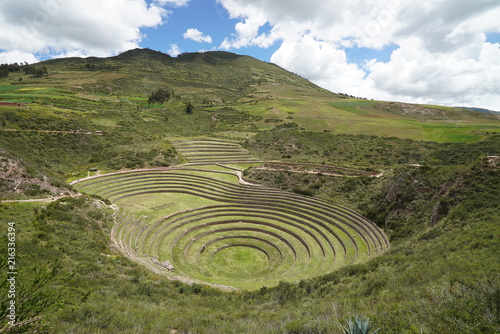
(441, 57)
(322, 63)
(197, 36)
(247, 34)
(16, 57)
(174, 50)
(91, 27)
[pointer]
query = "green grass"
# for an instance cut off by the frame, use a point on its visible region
(452, 134)
(323, 113)
(142, 205)
(353, 106)
(363, 152)
(8, 88)
(239, 261)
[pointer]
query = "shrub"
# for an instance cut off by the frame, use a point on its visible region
(161, 95)
(305, 192)
(358, 326)
(189, 108)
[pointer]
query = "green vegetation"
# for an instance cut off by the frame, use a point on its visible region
(359, 326)
(362, 151)
(189, 108)
(336, 175)
(429, 281)
(161, 95)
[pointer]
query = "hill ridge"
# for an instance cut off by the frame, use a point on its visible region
(223, 75)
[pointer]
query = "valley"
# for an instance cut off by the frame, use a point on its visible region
(247, 201)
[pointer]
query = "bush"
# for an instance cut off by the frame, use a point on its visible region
(161, 95)
(305, 192)
(189, 108)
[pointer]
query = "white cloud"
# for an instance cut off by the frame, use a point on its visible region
(247, 34)
(174, 3)
(91, 27)
(442, 55)
(17, 57)
(174, 50)
(197, 36)
(322, 63)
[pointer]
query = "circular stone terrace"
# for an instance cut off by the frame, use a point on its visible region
(204, 225)
(224, 233)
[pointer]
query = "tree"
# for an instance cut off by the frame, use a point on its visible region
(161, 95)
(4, 73)
(10, 67)
(28, 69)
(189, 108)
(37, 72)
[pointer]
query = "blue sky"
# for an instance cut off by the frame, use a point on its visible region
(212, 19)
(443, 52)
(209, 17)
(493, 37)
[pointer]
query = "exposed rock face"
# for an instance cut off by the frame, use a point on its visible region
(16, 180)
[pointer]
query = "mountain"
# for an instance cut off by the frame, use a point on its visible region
(237, 174)
(217, 75)
(262, 94)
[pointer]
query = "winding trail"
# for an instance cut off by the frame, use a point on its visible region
(34, 200)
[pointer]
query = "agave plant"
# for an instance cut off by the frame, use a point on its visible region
(359, 326)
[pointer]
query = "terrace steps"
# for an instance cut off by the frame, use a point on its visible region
(296, 236)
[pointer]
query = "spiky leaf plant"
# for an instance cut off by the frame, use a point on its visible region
(359, 326)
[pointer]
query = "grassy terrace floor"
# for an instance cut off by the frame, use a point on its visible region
(216, 231)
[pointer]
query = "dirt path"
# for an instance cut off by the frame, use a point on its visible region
(75, 132)
(300, 171)
(315, 172)
(34, 200)
(124, 172)
(246, 183)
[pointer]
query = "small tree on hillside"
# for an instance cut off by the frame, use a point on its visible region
(207, 102)
(189, 108)
(38, 72)
(161, 95)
